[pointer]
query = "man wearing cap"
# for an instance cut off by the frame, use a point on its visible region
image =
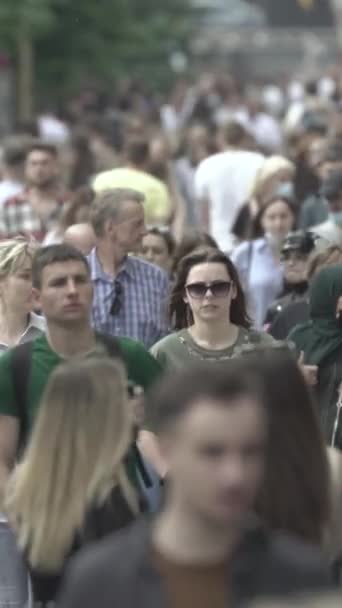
(295, 253)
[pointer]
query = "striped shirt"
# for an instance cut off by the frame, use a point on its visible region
(132, 305)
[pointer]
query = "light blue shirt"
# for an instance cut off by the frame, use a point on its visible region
(261, 276)
(142, 315)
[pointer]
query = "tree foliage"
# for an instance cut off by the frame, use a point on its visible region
(76, 41)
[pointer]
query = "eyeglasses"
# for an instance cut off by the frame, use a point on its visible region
(219, 289)
(118, 299)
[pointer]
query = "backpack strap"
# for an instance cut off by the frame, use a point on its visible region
(111, 344)
(21, 367)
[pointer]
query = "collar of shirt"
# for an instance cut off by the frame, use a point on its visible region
(261, 244)
(98, 274)
(36, 322)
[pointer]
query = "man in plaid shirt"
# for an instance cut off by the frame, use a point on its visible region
(36, 210)
(130, 295)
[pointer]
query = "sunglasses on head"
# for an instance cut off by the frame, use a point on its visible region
(118, 297)
(219, 289)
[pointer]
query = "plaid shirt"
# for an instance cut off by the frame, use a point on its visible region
(143, 291)
(17, 218)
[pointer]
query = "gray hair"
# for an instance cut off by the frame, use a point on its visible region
(108, 205)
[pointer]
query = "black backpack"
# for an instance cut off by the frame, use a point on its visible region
(21, 367)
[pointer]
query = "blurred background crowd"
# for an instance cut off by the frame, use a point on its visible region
(204, 138)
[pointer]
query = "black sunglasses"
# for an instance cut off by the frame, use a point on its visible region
(118, 299)
(219, 289)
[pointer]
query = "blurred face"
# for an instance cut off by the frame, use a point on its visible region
(295, 266)
(16, 289)
(215, 458)
(41, 169)
(277, 220)
(209, 292)
(154, 249)
(66, 293)
(128, 231)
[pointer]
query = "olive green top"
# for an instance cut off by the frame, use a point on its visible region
(178, 349)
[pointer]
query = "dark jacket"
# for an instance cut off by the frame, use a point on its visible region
(327, 391)
(119, 571)
(293, 314)
(101, 521)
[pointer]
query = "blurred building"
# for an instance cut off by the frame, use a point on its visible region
(265, 38)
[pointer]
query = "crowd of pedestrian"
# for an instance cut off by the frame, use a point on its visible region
(171, 347)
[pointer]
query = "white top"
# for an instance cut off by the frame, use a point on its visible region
(9, 188)
(36, 326)
(225, 180)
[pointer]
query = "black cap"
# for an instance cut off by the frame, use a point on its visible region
(332, 185)
(301, 241)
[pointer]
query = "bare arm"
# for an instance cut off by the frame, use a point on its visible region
(9, 438)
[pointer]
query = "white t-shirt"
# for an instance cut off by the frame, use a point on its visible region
(225, 180)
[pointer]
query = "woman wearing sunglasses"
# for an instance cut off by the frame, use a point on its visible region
(208, 312)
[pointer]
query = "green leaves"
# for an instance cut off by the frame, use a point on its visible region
(75, 40)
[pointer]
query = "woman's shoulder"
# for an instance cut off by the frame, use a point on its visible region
(253, 336)
(168, 342)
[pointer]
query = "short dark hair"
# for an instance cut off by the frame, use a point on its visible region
(234, 133)
(42, 146)
(180, 315)
(137, 150)
(54, 254)
(332, 186)
(174, 395)
(14, 151)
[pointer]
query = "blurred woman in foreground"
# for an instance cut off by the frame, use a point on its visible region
(302, 491)
(72, 487)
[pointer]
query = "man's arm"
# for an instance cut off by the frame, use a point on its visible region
(9, 439)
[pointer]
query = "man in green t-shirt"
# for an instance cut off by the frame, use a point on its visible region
(62, 289)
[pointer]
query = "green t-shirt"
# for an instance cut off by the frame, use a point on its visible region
(179, 349)
(142, 370)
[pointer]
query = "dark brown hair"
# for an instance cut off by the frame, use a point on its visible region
(191, 241)
(54, 254)
(295, 496)
(42, 146)
(179, 311)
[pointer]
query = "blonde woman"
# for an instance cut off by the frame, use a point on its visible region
(275, 172)
(72, 487)
(17, 321)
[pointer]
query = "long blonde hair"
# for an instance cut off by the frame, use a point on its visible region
(74, 459)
